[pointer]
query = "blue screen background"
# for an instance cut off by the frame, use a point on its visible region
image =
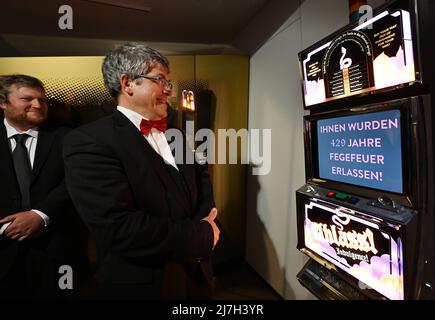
(387, 176)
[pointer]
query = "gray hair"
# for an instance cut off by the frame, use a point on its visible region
(131, 59)
(7, 81)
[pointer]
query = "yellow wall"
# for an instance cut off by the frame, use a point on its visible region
(227, 77)
(72, 78)
(50, 67)
(46, 67)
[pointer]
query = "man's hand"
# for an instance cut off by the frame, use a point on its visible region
(24, 225)
(210, 219)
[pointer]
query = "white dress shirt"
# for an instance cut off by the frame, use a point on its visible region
(155, 138)
(31, 143)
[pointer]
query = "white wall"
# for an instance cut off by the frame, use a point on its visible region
(275, 102)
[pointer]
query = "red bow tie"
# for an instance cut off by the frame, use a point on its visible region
(147, 125)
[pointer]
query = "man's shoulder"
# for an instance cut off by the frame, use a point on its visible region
(53, 129)
(96, 125)
(99, 129)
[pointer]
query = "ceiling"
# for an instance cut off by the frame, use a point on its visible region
(29, 28)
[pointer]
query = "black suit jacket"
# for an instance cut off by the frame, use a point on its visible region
(124, 193)
(65, 239)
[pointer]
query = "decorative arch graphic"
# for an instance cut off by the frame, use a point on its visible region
(348, 64)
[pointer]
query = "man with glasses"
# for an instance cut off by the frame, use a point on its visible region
(152, 218)
(39, 229)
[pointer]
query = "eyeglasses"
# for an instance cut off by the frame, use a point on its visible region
(165, 84)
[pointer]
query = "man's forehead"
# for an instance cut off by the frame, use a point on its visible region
(23, 89)
(157, 66)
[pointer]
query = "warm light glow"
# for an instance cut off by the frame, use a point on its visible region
(188, 100)
(315, 92)
(393, 71)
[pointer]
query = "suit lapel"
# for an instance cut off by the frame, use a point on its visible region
(45, 141)
(140, 152)
(186, 170)
(7, 165)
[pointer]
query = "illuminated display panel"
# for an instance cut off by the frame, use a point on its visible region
(375, 55)
(363, 150)
(366, 248)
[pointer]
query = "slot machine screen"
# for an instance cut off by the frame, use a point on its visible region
(363, 150)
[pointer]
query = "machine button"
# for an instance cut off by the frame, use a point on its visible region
(353, 200)
(341, 196)
(330, 194)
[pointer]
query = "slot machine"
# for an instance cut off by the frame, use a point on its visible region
(365, 217)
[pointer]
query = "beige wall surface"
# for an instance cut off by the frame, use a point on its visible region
(275, 103)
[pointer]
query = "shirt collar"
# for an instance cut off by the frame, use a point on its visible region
(11, 131)
(133, 116)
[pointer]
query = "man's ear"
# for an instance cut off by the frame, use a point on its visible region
(3, 106)
(126, 85)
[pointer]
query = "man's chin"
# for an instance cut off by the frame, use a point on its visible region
(163, 113)
(36, 120)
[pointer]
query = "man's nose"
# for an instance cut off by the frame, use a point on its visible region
(167, 92)
(36, 103)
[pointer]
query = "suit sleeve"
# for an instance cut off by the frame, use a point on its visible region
(101, 192)
(205, 192)
(57, 203)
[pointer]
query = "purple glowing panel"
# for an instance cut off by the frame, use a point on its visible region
(368, 250)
